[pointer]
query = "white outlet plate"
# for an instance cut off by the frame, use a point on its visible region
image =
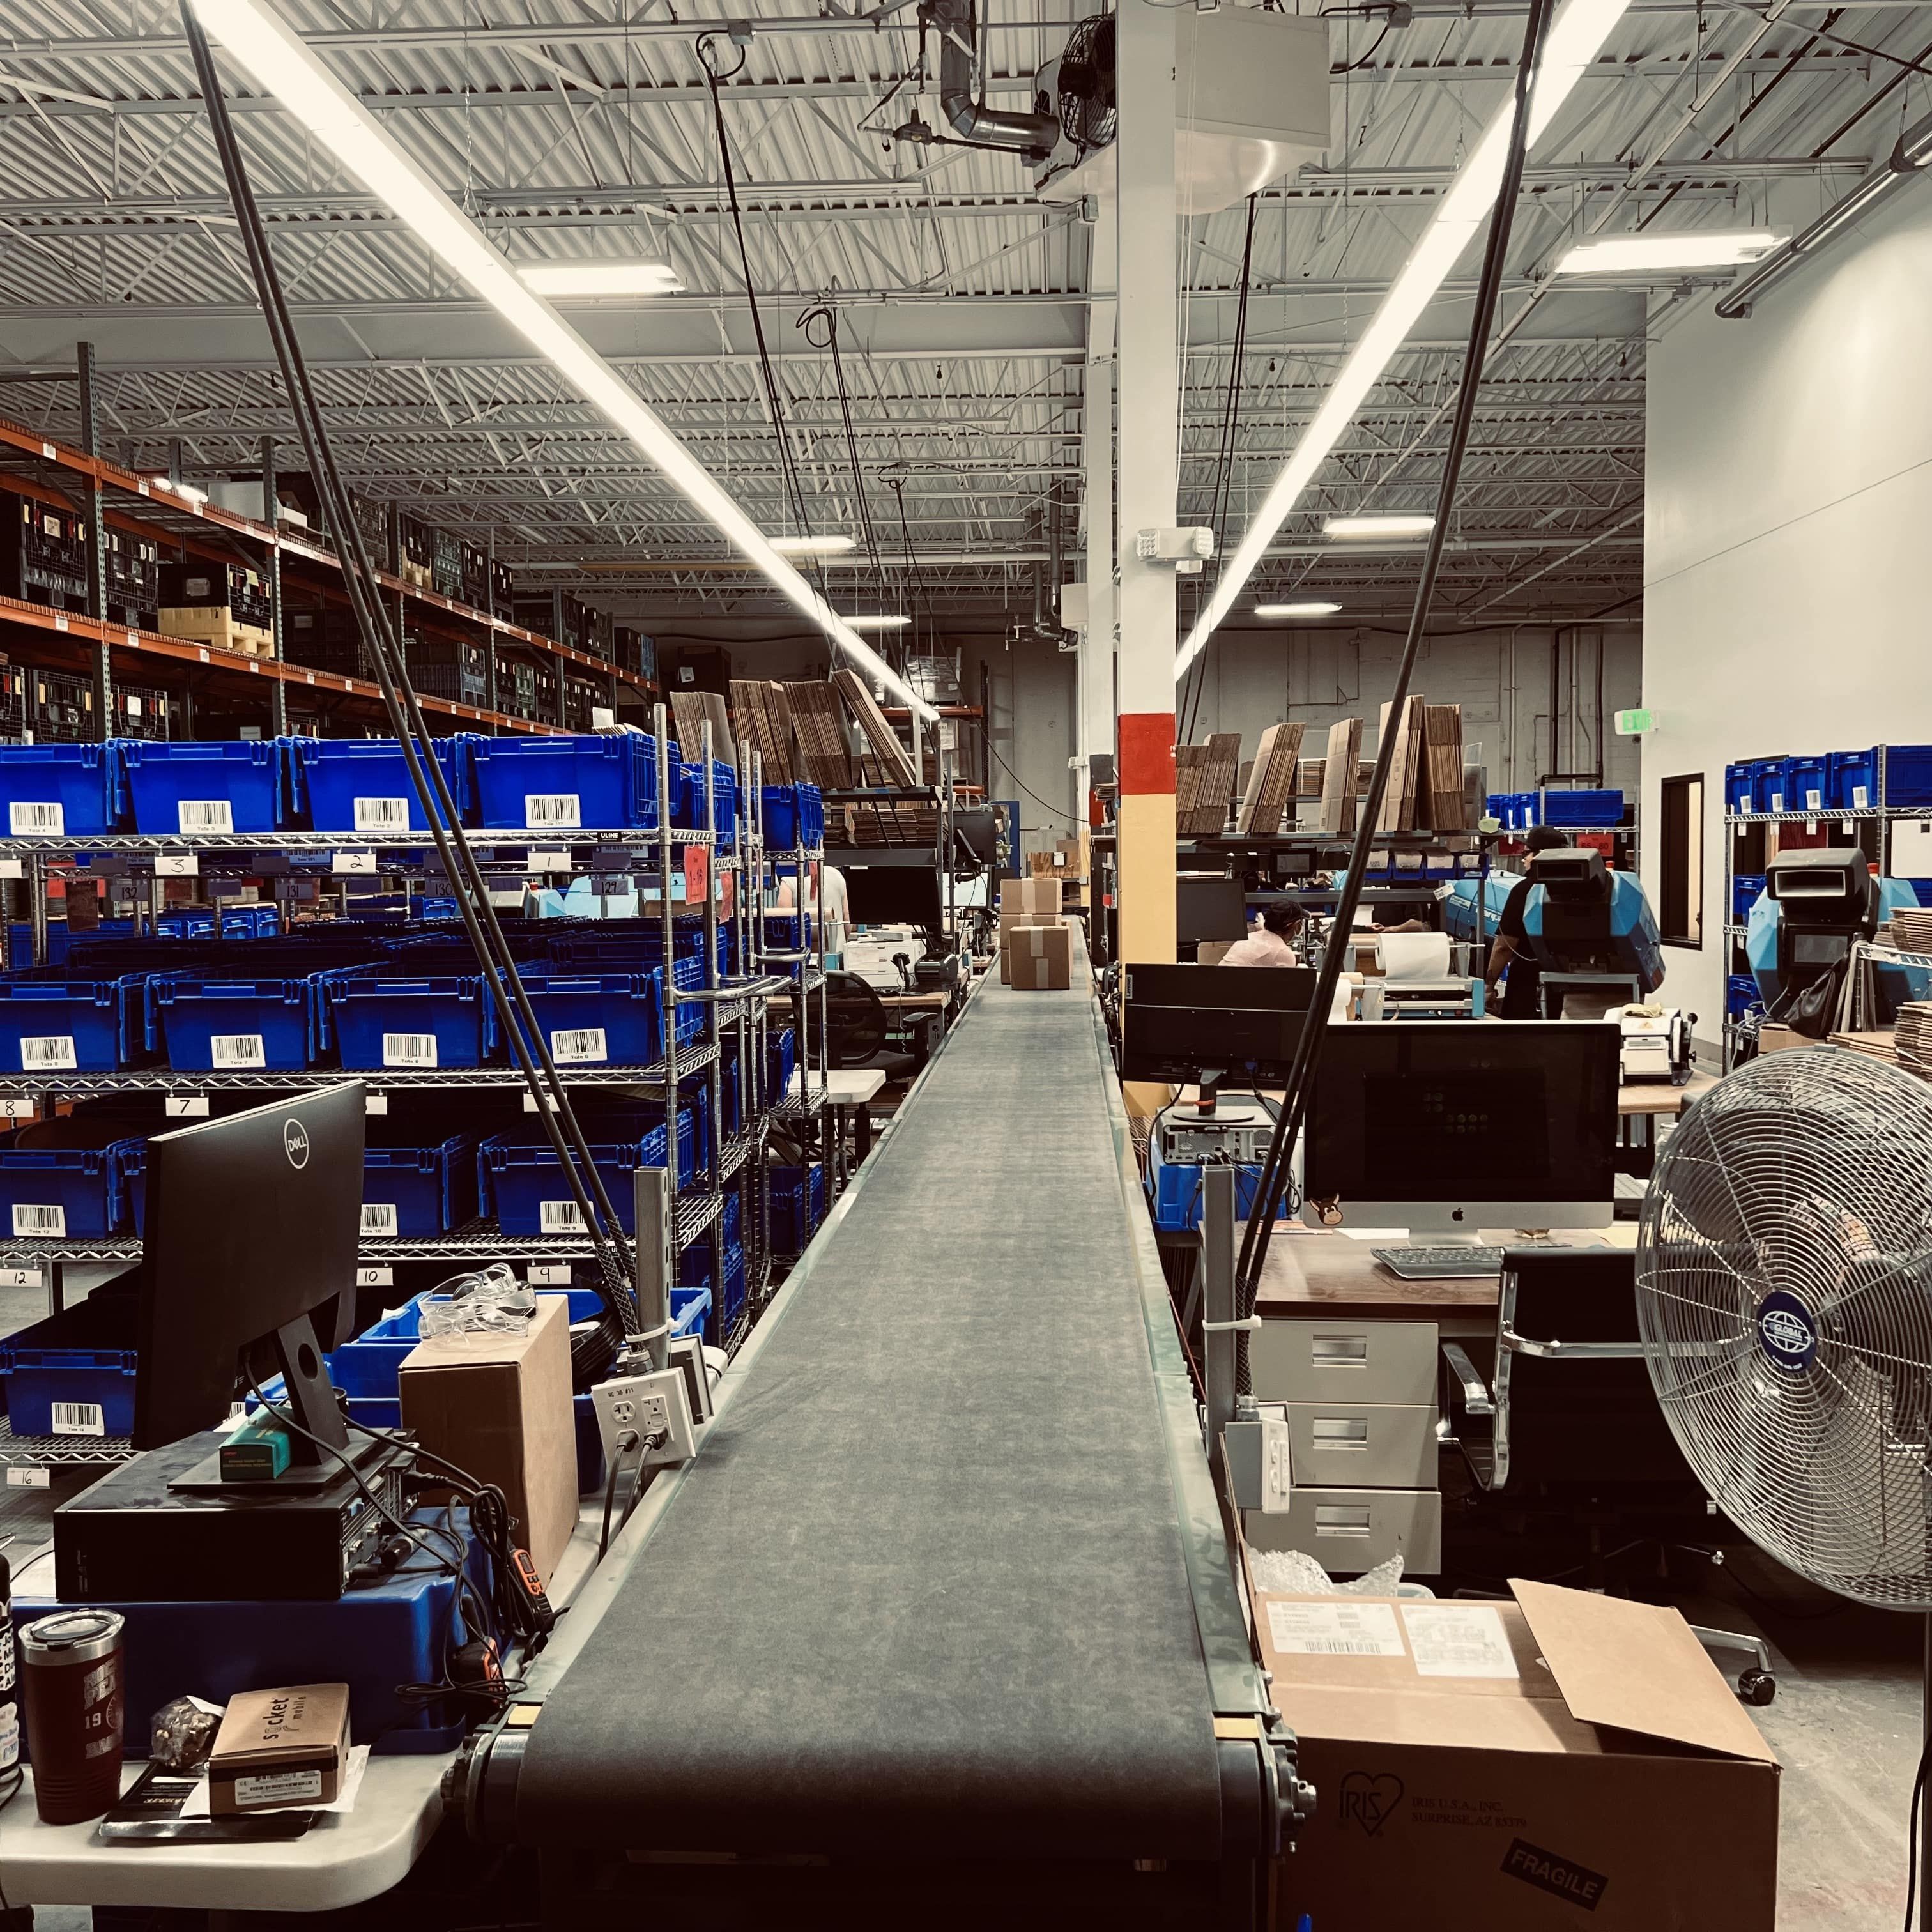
(647, 1403)
(1277, 1465)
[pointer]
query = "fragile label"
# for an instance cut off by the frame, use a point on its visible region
(1334, 1629)
(280, 1787)
(1458, 1640)
(1562, 1877)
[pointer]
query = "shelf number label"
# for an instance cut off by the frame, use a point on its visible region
(28, 1476)
(353, 861)
(549, 1274)
(19, 1107)
(177, 866)
(384, 1276)
(185, 1106)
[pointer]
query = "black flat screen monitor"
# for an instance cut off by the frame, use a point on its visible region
(1459, 1125)
(1240, 1022)
(249, 1269)
(894, 895)
(1209, 909)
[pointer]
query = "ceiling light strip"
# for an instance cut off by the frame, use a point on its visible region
(1576, 37)
(286, 66)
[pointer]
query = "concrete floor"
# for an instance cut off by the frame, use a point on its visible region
(1846, 1722)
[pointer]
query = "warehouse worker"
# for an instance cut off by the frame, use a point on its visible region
(1270, 944)
(1510, 947)
(838, 913)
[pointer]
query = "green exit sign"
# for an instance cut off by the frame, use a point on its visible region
(1634, 723)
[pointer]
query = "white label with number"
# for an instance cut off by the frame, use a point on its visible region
(549, 1274)
(47, 1053)
(177, 866)
(28, 1219)
(78, 1418)
(382, 814)
(205, 815)
(19, 1476)
(375, 1103)
(384, 1276)
(238, 1050)
(17, 1277)
(379, 1219)
(353, 861)
(579, 1046)
(185, 1106)
(556, 1217)
(537, 861)
(25, 817)
(19, 1107)
(408, 1049)
(545, 811)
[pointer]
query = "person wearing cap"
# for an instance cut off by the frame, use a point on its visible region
(1521, 996)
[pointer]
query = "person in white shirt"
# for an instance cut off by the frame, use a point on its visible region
(838, 911)
(1270, 944)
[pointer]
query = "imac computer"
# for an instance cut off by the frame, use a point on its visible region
(1215, 1025)
(1465, 1124)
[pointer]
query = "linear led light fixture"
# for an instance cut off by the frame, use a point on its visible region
(1649, 253)
(1575, 36)
(283, 64)
(1296, 610)
(833, 544)
(653, 276)
(1345, 527)
(880, 623)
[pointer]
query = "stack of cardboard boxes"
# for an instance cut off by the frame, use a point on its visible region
(1036, 944)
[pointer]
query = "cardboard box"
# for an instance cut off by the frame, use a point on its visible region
(1038, 959)
(1564, 1760)
(1032, 894)
(280, 1750)
(1011, 922)
(1777, 1038)
(499, 1407)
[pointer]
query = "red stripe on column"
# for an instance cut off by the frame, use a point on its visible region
(1147, 752)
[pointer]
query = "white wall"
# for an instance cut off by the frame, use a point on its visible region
(1500, 677)
(1789, 518)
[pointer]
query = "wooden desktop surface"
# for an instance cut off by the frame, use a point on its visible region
(1659, 1096)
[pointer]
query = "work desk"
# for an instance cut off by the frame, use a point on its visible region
(1658, 1098)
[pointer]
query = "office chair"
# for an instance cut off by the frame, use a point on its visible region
(856, 1027)
(1571, 1420)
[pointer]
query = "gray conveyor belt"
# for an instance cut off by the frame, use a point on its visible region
(926, 1591)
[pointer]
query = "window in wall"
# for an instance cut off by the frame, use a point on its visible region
(1680, 914)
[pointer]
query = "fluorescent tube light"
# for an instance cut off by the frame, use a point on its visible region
(1575, 36)
(283, 64)
(1640, 254)
(1378, 526)
(880, 623)
(1296, 610)
(649, 277)
(831, 545)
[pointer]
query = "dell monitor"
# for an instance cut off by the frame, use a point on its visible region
(1465, 1124)
(1215, 1025)
(252, 1225)
(894, 895)
(1209, 909)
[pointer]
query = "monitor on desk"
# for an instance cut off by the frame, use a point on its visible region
(894, 895)
(1181, 1023)
(1463, 1125)
(1209, 909)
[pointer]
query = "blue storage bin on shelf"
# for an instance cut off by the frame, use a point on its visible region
(1768, 785)
(62, 1193)
(1590, 810)
(82, 1362)
(1908, 775)
(797, 1206)
(1745, 888)
(606, 782)
(785, 817)
(53, 1020)
(687, 803)
(1852, 779)
(688, 975)
(1176, 1192)
(362, 784)
(525, 1187)
(1807, 785)
(254, 921)
(206, 1025)
(380, 1016)
(61, 790)
(1738, 794)
(1740, 994)
(413, 1190)
(599, 1019)
(781, 1063)
(195, 786)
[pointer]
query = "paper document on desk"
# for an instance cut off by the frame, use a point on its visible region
(1415, 955)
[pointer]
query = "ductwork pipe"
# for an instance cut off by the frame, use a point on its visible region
(970, 117)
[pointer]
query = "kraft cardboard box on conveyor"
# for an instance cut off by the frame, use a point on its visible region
(1564, 1760)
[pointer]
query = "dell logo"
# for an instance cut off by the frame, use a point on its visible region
(1785, 1328)
(294, 1143)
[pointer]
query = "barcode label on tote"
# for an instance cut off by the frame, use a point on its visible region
(28, 1219)
(408, 1049)
(37, 818)
(579, 1046)
(237, 1049)
(542, 810)
(557, 1217)
(205, 815)
(78, 1418)
(47, 1052)
(1334, 1629)
(382, 814)
(379, 1218)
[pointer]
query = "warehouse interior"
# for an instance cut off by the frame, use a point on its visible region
(960, 957)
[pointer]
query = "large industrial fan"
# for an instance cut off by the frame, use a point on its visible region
(1784, 1295)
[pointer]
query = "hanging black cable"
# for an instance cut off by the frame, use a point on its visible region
(827, 315)
(915, 577)
(1308, 1047)
(426, 775)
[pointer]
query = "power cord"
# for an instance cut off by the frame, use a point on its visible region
(1914, 1823)
(628, 1439)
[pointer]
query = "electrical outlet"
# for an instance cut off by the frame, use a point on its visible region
(657, 1403)
(1277, 1466)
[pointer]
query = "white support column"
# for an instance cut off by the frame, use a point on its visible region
(1096, 734)
(1149, 471)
